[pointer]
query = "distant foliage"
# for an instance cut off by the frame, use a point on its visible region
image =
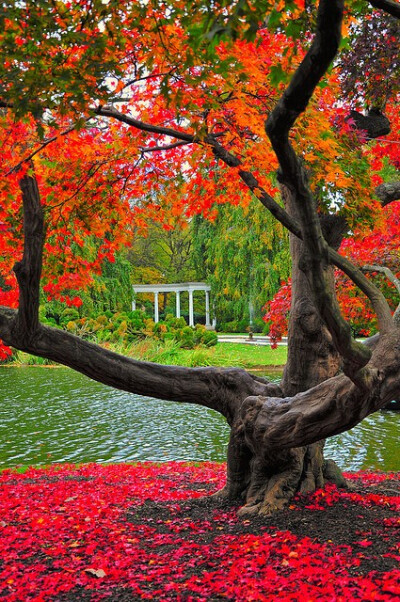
(244, 255)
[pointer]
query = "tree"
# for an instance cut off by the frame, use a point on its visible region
(175, 101)
(244, 256)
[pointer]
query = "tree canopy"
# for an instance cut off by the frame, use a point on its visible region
(120, 114)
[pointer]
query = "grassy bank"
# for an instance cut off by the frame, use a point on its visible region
(169, 353)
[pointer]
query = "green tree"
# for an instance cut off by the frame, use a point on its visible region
(244, 256)
(166, 252)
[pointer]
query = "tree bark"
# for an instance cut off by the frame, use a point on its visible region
(312, 357)
(266, 479)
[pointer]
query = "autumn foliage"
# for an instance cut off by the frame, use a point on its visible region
(379, 246)
(127, 142)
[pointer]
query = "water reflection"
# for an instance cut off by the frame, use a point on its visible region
(56, 415)
(371, 444)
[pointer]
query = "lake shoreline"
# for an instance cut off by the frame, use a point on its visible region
(261, 368)
(169, 353)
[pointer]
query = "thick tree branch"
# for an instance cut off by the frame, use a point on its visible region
(221, 389)
(332, 407)
(292, 103)
(388, 192)
(29, 269)
(389, 6)
(323, 50)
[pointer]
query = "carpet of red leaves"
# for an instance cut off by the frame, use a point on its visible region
(130, 532)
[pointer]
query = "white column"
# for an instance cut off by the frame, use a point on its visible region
(208, 309)
(156, 315)
(133, 304)
(178, 304)
(191, 316)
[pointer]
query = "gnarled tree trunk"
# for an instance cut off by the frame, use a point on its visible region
(266, 480)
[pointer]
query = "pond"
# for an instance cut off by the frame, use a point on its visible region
(53, 415)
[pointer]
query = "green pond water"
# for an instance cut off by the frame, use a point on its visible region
(50, 415)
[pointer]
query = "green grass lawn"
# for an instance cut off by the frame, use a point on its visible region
(251, 356)
(223, 354)
(169, 353)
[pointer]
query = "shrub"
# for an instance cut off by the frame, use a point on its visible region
(125, 327)
(209, 338)
(67, 315)
(187, 339)
(72, 326)
(103, 319)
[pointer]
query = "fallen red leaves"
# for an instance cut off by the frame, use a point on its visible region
(125, 532)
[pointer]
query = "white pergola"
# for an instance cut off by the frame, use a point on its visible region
(180, 287)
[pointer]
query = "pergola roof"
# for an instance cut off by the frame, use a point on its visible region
(171, 288)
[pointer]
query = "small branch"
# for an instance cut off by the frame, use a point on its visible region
(383, 270)
(145, 127)
(152, 149)
(392, 278)
(146, 77)
(393, 8)
(251, 182)
(42, 146)
(378, 300)
(28, 271)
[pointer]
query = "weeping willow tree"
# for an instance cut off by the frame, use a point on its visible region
(243, 255)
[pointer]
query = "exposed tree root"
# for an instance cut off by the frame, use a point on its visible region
(267, 481)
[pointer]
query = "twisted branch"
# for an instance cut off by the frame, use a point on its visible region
(292, 103)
